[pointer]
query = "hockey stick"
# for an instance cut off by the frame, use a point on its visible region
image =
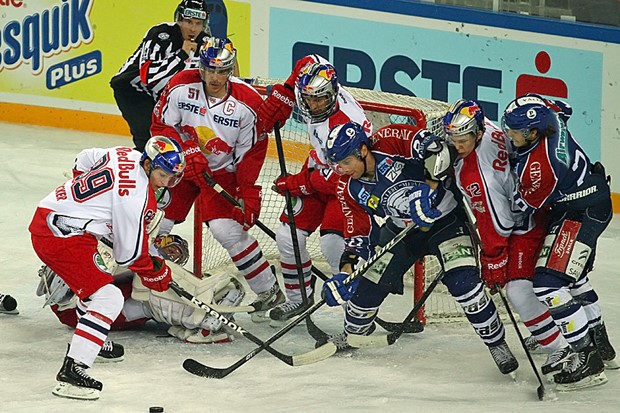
(312, 356)
(411, 327)
(541, 388)
(359, 341)
(312, 328)
(202, 370)
(478, 243)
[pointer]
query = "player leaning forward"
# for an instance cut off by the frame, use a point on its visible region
(212, 115)
(114, 197)
(385, 176)
(578, 195)
(509, 238)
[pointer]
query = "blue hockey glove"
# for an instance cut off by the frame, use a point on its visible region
(420, 207)
(336, 292)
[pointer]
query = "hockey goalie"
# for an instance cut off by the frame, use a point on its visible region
(188, 323)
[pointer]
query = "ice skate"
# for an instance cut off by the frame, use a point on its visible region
(503, 357)
(339, 339)
(265, 301)
(533, 346)
(557, 360)
(604, 347)
(281, 314)
(585, 369)
(75, 383)
(110, 352)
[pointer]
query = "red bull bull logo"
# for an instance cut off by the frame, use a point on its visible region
(469, 111)
(217, 146)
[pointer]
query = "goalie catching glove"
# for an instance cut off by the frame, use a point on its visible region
(420, 207)
(277, 107)
(159, 279)
(493, 269)
(335, 292)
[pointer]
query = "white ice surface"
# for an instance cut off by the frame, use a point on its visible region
(444, 369)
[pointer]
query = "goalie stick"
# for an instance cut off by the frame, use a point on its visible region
(202, 370)
(312, 356)
(413, 326)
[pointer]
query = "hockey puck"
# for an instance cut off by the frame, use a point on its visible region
(9, 303)
(156, 409)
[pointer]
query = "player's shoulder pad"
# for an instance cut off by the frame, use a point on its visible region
(245, 93)
(185, 77)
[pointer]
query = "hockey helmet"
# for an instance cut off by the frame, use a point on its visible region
(166, 154)
(217, 54)
(463, 117)
(192, 9)
(173, 248)
(527, 113)
(317, 80)
(343, 141)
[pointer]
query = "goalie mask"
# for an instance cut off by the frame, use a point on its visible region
(173, 248)
(193, 9)
(167, 155)
(316, 91)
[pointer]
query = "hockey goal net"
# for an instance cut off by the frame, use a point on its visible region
(382, 109)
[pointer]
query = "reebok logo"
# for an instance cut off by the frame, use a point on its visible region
(191, 151)
(283, 99)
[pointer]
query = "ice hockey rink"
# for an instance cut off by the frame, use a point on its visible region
(444, 369)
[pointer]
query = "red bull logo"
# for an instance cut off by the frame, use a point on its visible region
(469, 111)
(327, 73)
(217, 146)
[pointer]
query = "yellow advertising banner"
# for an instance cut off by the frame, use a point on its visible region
(63, 53)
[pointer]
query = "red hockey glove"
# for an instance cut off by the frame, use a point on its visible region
(494, 269)
(250, 199)
(277, 107)
(196, 163)
(159, 278)
(296, 185)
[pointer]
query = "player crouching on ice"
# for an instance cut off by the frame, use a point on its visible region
(112, 195)
(385, 176)
(188, 323)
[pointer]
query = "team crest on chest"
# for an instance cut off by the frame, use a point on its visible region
(395, 199)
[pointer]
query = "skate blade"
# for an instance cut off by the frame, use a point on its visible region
(12, 312)
(259, 317)
(103, 360)
(70, 391)
(513, 375)
(590, 381)
(611, 365)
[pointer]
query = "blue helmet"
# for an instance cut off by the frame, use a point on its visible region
(345, 140)
(529, 112)
(317, 80)
(218, 54)
(166, 154)
(463, 117)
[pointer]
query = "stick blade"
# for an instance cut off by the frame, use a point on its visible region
(198, 369)
(318, 354)
(357, 341)
(541, 392)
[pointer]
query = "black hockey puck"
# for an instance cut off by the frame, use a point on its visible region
(9, 303)
(156, 409)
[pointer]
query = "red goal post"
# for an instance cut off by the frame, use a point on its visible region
(382, 108)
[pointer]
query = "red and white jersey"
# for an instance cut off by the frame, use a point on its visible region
(224, 129)
(112, 198)
(485, 179)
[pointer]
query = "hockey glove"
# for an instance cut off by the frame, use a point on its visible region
(159, 278)
(420, 207)
(494, 269)
(196, 163)
(296, 185)
(250, 200)
(277, 107)
(335, 292)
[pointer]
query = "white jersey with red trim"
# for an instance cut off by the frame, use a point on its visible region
(112, 198)
(225, 129)
(485, 178)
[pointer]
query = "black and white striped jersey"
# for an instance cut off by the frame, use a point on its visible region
(159, 57)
